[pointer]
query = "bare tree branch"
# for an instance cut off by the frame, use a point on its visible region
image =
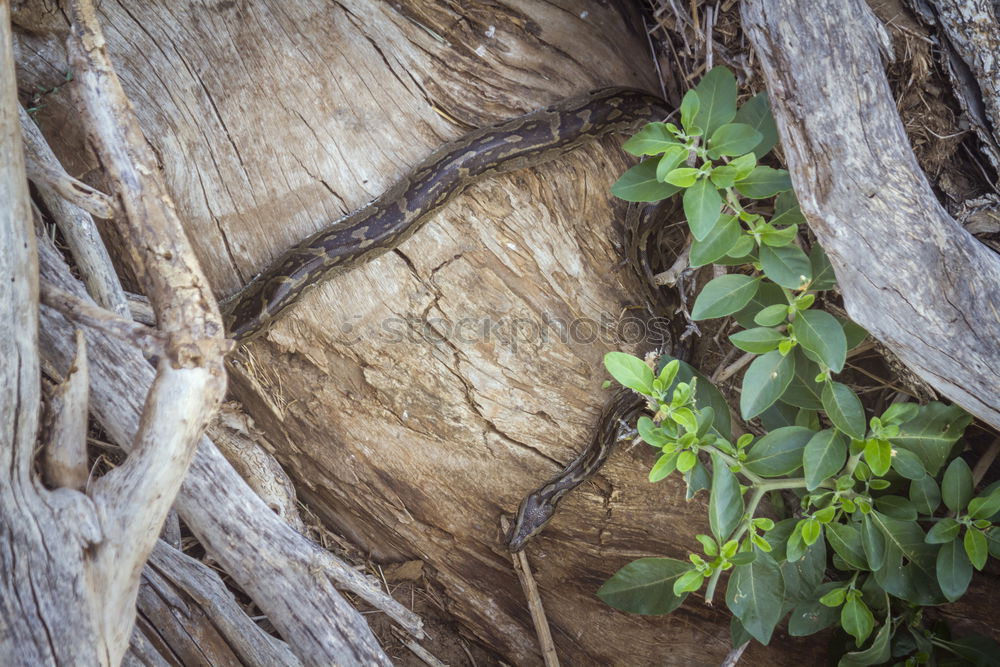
(65, 460)
(290, 578)
(78, 228)
(135, 497)
(86, 312)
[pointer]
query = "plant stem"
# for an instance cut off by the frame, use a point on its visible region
(759, 489)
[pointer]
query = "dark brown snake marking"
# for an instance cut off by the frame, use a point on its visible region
(398, 213)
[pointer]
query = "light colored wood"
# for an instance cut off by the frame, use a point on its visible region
(288, 576)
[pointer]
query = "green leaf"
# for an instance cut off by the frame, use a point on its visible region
(956, 487)
(724, 296)
(649, 432)
(788, 266)
(740, 254)
(909, 568)
(689, 109)
(756, 112)
(897, 413)
(844, 409)
(872, 543)
(857, 619)
(854, 332)
(779, 452)
(686, 460)
(652, 139)
(822, 270)
(985, 506)
(725, 502)
(669, 161)
(723, 176)
(803, 392)
(665, 465)
(824, 456)
(808, 418)
(743, 165)
(682, 177)
(640, 184)
(932, 434)
(719, 240)
(764, 382)
(925, 494)
(821, 333)
(804, 575)
(772, 316)
(630, 371)
(876, 654)
(878, 456)
(758, 340)
(954, 571)
(764, 182)
(645, 586)
(696, 479)
(811, 531)
(976, 547)
(717, 93)
(685, 417)
(777, 416)
(733, 139)
(976, 650)
(897, 507)
(705, 394)
(944, 531)
(834, 598)
(846, 542)
(755, 595)
(776, 238)
(993, 541)
(786, 210)
(702, 208)
(908, 464)
(768, 294)
(809, 616)
(688, 582)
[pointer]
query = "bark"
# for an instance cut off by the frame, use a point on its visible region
(288, 576)
(187, 612)
(72, 560)
(910, 274)
(971, 36)
(270, 120)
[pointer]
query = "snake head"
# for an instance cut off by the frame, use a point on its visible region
(534, 513)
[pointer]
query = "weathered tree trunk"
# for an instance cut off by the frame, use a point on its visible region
(910, 274)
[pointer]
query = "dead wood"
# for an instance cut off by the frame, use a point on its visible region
(287, 575)
(72, 560)
(910, 274)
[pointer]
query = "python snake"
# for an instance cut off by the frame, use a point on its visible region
(399, 212)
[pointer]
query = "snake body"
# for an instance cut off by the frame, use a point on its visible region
(400, 211)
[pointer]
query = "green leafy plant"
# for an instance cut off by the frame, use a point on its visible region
(887, 520)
